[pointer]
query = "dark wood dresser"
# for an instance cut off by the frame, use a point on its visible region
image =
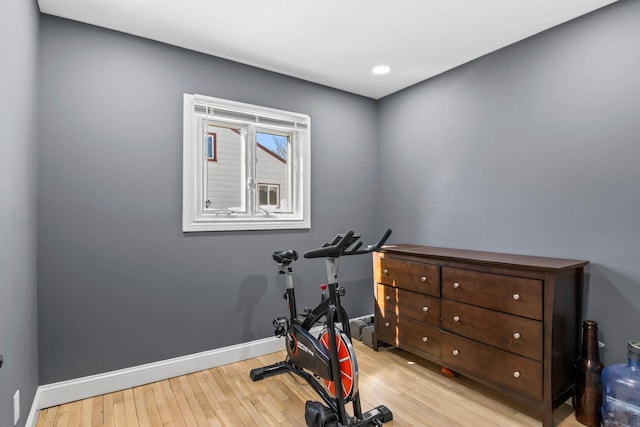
(511, 322)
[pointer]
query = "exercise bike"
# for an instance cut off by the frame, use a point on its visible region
(328, 362)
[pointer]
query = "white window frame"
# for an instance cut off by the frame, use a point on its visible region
(195, 216)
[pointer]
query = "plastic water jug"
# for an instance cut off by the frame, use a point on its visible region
(621, 391)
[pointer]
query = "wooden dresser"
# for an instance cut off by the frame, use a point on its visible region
(511, 322)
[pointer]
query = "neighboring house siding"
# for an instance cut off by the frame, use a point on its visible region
(224, 176)
(272, 170)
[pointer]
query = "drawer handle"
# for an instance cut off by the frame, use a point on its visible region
(516, 374)
(516, 297)
(456, 318)
(423, 278)
(387, 298)
(425, 339)
(385, 271)
(386, 324)
(516, 336)
(425, 308)
(456, 285)
(456, 352)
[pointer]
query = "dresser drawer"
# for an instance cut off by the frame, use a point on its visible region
(421, 307)
(386, 326)
(516, 373)
(515, 295)
(418, 338)
(512, 333)
(414, 276)
(386, 298)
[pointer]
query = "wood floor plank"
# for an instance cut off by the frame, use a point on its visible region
(130, 407)
(118, 397)
(75, 414)
(120, 415)
(238, 396)
(177, 419)
(414, 389)
(97, 412)
(163, 409)
(108, 410)
(42, 418)
(199, 396)
(183, 402)
(86, 411)
(219, 417)
(153, 413)
(62, 419)
(48, 417)
(141, 407)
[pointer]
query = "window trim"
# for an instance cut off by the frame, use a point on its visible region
(195, 217)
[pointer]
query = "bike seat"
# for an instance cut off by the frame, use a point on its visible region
(285, 257)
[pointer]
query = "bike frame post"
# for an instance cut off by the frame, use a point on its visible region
(332, 269)
(336, 311)
(291, 292)
(333, 350)
(332, 265)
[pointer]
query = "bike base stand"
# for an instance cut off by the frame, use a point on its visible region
(257, 374)
(318, 415)
(376, 416)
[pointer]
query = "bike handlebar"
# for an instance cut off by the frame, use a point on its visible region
(346, 244)
(369, 248)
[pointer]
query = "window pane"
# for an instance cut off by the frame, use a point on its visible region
(211, 146)
(273, 196)
(272, 166)
(262, 195)
(225, 176)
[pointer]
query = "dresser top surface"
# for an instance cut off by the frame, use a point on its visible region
(487, 258)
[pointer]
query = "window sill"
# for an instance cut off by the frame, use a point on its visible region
(240, 224)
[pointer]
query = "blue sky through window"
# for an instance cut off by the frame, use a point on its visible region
(277, 144)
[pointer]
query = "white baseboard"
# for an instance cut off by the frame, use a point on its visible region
(32, 419)
(95, 385)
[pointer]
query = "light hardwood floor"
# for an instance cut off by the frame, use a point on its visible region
(414, 389)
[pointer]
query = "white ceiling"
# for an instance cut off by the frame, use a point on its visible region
(333, 42)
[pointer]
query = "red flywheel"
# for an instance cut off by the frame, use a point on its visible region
(347, 363)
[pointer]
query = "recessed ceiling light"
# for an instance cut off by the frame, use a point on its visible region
(381, 69)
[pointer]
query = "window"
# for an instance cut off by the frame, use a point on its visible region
(245, 167)
(211, 147)
(268, 196)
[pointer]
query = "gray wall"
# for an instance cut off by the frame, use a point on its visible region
(528, 150)
(18, 149)
(533, 149)
(119, 283)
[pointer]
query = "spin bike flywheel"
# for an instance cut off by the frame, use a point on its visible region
(347, 363)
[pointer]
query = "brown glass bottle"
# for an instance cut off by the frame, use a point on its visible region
(588, 398)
